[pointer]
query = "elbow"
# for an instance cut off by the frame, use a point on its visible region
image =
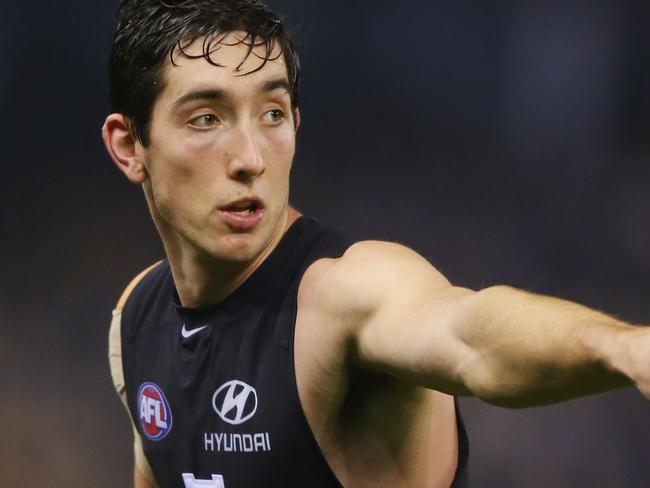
(516, 391)
(503, 395)
(497, 393)
(492, 370)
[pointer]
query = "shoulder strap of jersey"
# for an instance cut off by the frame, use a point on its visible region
(134, 282)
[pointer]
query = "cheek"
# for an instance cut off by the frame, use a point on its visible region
(286, 139)
(281, 150)
(169, 177)
(192, 162)
(179, 182)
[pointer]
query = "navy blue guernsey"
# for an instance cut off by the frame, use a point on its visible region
(213, 391)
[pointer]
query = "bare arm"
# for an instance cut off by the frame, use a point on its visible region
(140, 480)
(505, 346)
(527, 349)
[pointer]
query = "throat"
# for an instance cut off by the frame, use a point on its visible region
(200, 285)
(202, 279)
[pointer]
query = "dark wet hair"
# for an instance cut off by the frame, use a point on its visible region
(150, 31)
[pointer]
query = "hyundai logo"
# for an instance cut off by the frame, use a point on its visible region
(235, 402)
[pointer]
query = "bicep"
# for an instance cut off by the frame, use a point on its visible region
(409, 327)
(417, 339)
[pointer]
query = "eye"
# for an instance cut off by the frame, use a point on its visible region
(204, 121)
(274, 117)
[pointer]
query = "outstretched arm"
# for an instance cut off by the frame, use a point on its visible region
(503, 345)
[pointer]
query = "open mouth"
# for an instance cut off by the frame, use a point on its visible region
(251, 209)
(243, 209)
(243, 214)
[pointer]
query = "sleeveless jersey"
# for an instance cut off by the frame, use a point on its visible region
(213, 392)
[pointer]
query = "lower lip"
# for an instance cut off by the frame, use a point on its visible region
(242, 220)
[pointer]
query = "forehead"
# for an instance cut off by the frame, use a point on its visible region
(229, 61)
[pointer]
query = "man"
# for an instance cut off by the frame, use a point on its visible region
(267, 350)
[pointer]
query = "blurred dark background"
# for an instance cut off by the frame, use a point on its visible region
(506, 141)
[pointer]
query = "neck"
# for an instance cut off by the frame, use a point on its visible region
(202, 279)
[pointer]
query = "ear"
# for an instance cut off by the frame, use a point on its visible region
(296, 118)
(123, 147)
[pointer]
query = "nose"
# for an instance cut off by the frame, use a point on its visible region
(245, 160)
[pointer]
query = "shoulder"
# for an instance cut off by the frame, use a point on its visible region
(387, 260)
(134, 282)
(366, 275)
(114, 334)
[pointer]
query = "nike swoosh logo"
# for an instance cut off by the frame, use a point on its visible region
(189, 333)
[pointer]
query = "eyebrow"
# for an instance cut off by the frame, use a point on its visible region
(218, 94)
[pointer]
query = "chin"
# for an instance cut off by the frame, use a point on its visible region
(238, 248)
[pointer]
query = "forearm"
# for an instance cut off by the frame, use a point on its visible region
(527, 349)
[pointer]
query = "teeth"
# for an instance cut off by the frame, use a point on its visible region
(246, 211)
(250, 209)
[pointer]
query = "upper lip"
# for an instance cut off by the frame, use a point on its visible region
(243, 203)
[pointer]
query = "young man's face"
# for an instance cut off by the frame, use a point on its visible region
(220, 152)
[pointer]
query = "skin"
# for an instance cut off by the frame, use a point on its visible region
(207, 153)
(382, 338)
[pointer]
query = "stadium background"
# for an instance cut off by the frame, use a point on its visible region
(506, 141)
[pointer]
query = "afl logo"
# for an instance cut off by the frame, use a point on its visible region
(235, 402)
(155, 414)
